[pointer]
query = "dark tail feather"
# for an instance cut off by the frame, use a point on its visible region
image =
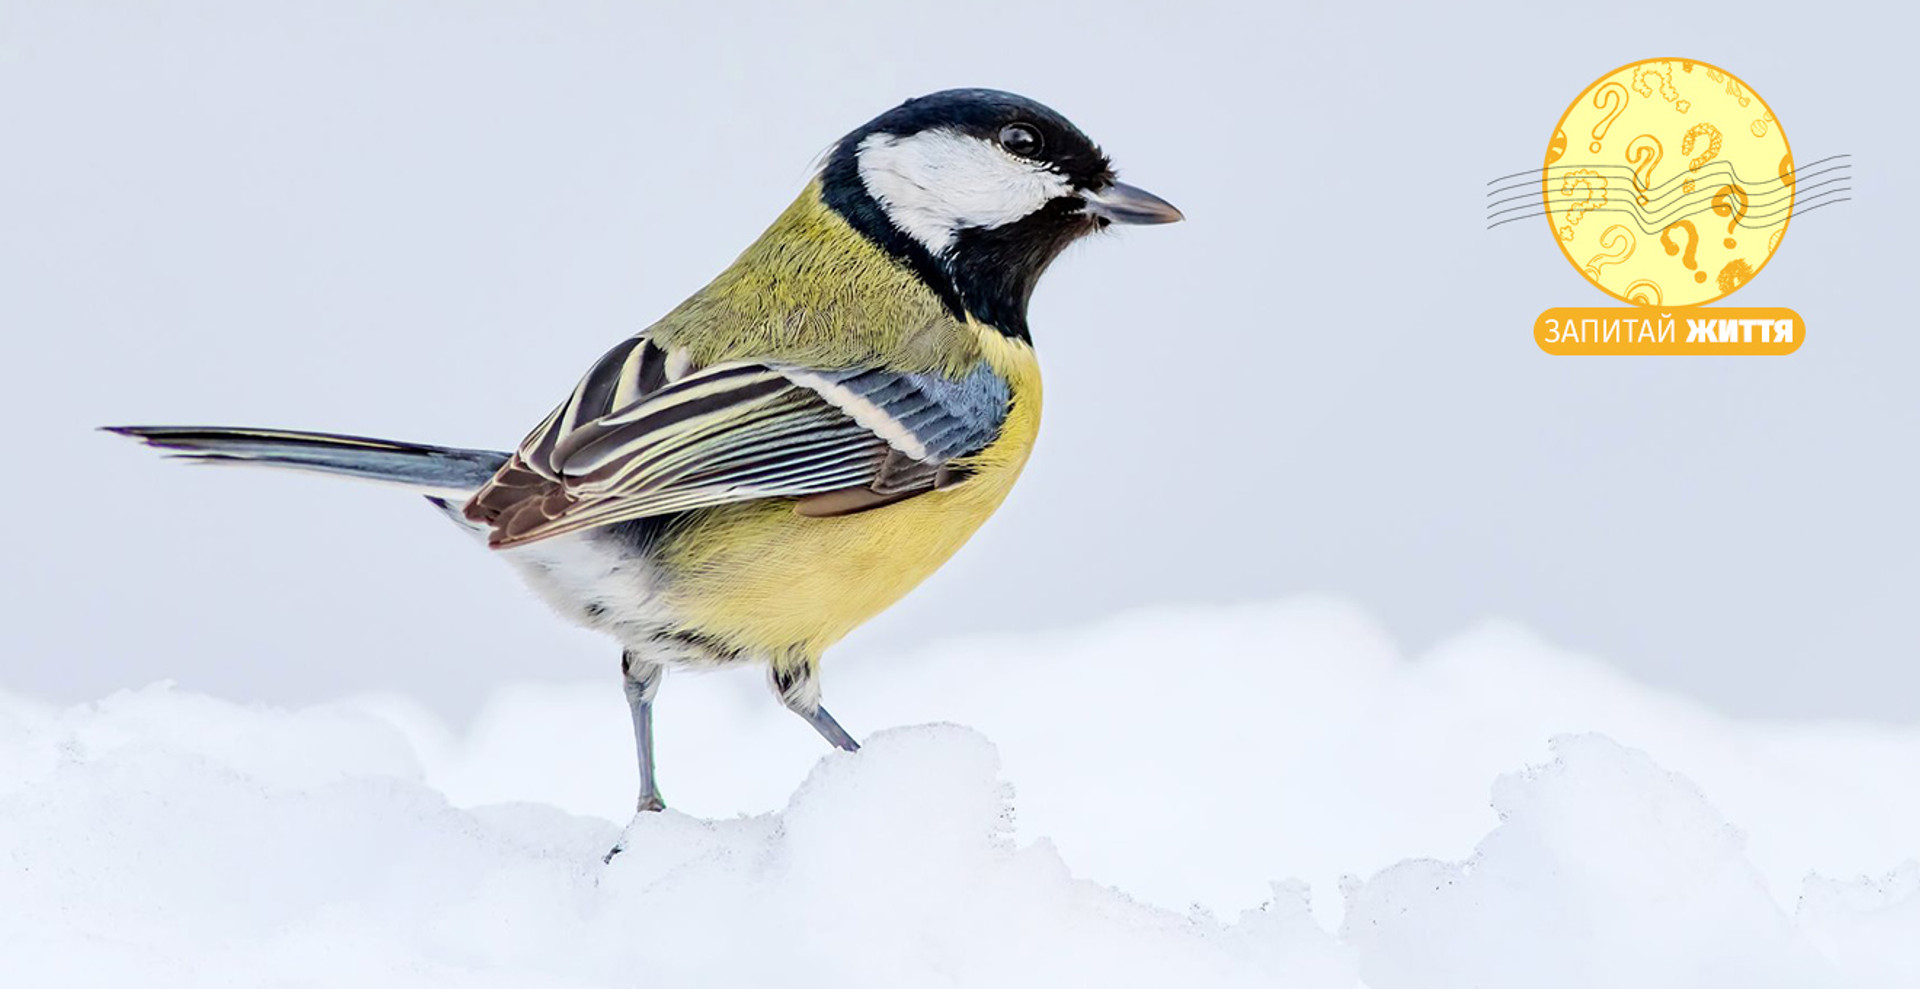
(423, 468)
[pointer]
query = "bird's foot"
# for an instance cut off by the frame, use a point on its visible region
(649, 802)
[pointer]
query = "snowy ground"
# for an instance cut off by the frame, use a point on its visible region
(1263, 795)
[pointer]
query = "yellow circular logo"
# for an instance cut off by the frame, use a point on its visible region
(1668, 183)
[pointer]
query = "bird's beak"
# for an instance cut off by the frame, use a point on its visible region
(1122, 203)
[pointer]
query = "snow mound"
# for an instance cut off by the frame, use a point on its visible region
(143, 854)
(162, 838)
(1604, 865)
(1195, 755)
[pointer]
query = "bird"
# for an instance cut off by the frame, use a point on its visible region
(802, 441)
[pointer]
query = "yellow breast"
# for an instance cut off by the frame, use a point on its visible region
(759, 577)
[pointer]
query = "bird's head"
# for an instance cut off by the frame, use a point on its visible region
(978, 191)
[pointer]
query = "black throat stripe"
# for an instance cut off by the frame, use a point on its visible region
(845, 194)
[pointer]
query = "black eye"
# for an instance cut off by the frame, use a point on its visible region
(1021, 139)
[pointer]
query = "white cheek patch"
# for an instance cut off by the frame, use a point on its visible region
(936, 183)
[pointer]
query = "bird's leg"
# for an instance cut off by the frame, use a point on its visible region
(642, 682)
(799, 690)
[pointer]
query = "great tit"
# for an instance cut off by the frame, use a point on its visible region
(804, 440)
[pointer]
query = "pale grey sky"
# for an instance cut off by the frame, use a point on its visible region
(423, 220)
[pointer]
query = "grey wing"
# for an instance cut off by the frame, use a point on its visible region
(634, 441)
(928, 421)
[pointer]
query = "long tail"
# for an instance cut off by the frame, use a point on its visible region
(427, 469)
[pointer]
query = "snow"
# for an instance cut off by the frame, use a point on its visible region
(1256, 795)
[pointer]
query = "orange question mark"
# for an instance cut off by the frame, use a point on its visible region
(1731, 201)
(1616, 98)
(1643, 153)
(1694, 133)
(1589, 182)
(1618, 241)
(1693, 241)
